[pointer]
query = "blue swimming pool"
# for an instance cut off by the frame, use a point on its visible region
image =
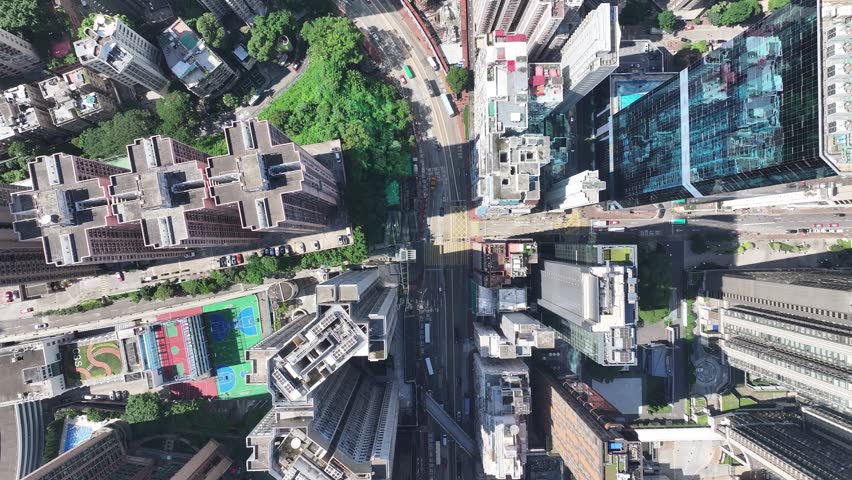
(75, 435)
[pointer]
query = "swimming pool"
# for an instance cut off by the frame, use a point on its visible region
(75, 435)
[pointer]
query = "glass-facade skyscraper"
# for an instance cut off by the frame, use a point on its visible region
(745, 116)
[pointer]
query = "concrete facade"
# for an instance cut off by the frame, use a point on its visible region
(17, 56)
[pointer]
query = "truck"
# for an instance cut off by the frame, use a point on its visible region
(466, 405)
(427, 337)
(615, 229)
(437, 452)
(432, 63)
(429, 367)
(448, 106)
(598, 223)
(678, 221)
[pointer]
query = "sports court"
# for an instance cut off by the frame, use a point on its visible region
(171, 347)
(233, 327)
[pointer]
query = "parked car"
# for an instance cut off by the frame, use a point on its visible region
(112, 395)
(296, 65)
(239, 259)
(317, 245)
(839, 215)
(833, 224)
(818, 225)
(343, 240)
(41, 326)
(125, 394)
(301, 247)
(26, 310)
(613, 222)
(188, 254)
(402, 80)
(223, 262)
(793, 230)
(16, 294)
(232, 261)
(441, 212)
(8, 297)
(119, 276)
(285, 250)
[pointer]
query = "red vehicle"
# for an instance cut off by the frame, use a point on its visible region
(613, 222)
(8, 297)
(296, 66)
(119, 276)
(833, 224)
(239, 259)
(26, 310)
(690, 27)
(402, 80)
(818, 225)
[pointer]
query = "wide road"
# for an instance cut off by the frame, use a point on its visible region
(446, 245)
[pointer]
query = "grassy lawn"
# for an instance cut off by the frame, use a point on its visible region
(746, 401)
(730, 402)
(653, 316)
(744, 247)
(610, 472)
(786, 247)
(618, 254)
(842, 244)
(700, 404)
(466, 120)
(702, 420)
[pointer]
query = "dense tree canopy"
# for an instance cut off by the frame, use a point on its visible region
(334, 40)
(739, 12)
(17, 15)
(111, 137)
(231, 101)
(144, 407)
(178, 115)
(776, 4)
(212, 30)
(458, 78)
(20, 154)
(268, 33)
(667, 21)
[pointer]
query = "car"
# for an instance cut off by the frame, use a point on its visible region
(444, 439)
(301, 247)
(792, 230)
(690, 27)
(26, 310)
(8, 297)
(804, 230)
(233, 260)
(317, 245)
(833, 224)
(88, 397)
(112, 395)
(818, 225)
(458, 416)
(433, 182)
(188, 254)
(239, 259)
(40, 326)
(119, 276)
(441, 211)
(125, 394)
(16, 294)
(343, 240)
(613, 222)
(285, 250)
(402, 80)
(296, 65)
(458, 381)
(223, 262)
(839, 215)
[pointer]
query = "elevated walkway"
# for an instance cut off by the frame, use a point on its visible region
(434, 409)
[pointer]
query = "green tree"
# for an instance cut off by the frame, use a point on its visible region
(231, 101)
(213, 144)
(144, 408)
(458, 78)
(336, 41)
(212, 30)
(164, 291)
(267, 35)
(178, 115)
(667, 21)
(111, 137)
(776, 4)
(17, 15)
(701, 46)
(89, 21)
(184, 408)
(739, 12)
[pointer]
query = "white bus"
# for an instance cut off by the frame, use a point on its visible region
(437, 452)
(427, 337)
(432, 63)
(429, 367)
(448, 105)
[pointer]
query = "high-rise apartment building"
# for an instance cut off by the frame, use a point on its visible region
(594, 308)
(210, 463)
(836, 127)
(575, 191)
(502, 405)
(491, 15)
(591, 53)
(791, 442)
(202, 71)
(585, 430)
(732, 121)
(790, 328)
(25, 115)
(541, 20)
(103, 456)
(80, 99)
(166, 194)
(32, 370)
(116, 51)
(217, 7)
(276, 184)
(69, 208)
(17, 56)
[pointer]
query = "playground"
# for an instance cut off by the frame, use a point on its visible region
(233, 327)
(82, 362)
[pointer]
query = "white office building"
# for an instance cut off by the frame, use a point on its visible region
(591, 53)
(575, 191)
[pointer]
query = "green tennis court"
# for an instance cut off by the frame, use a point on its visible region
(233, 327)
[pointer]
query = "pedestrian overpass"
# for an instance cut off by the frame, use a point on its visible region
(434, 409)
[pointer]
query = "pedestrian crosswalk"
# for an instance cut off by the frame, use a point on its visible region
(450, 253)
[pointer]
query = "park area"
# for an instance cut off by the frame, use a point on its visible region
(82, 362)
(233, 327)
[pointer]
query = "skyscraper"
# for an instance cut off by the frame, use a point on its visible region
(541, 20)
(591, 53)
(491, 15)
(17, 56)
(275, 184)
(114, 50)
(594, 308)
(745, 116)
(70, 210)
(790, 328)
(167, 195)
